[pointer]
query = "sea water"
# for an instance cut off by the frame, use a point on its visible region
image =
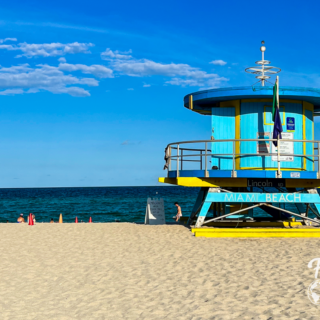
(103, 204)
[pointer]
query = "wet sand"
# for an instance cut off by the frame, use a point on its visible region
(128, 271)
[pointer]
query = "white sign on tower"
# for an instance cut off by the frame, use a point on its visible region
(285, 147)
(155, 212)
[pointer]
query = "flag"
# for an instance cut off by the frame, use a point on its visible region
(275, 103)
(277, 126)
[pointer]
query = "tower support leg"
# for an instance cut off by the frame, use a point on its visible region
(202, 215)
(317, 205)
(200, 198)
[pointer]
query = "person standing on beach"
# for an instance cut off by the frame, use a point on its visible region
(21, 218)
(179, 212)
(33, 218)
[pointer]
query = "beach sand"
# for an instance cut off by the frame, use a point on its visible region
(128, 271)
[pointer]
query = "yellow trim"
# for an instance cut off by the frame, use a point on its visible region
(256, 233)
(310, 107)
(237, 144)
(234, 182)
(270, 100)
(236, 105)
(304, 136)
(262, 224)
(190, 102)
(206, 182)
(265, 115)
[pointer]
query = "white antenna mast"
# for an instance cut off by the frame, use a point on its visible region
(262, 70)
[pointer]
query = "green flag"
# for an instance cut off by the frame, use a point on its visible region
(275, 103)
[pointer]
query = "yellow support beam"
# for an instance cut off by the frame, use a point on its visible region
(256, 233)
(262, 224)
(191, 102)
(206, 182)
(234, 182)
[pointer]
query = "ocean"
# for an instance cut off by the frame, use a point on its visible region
(103, 204)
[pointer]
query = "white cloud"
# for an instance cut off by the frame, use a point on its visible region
(129, 142)
(218, 62)
(59, 79)
(109, 54)
(7, 46)
(181, 74)
(72, 91)
(144, 67)
(11, 92)
(95, 69)
(42, 77)
(7, 39)
(202, 83)
(47, 49)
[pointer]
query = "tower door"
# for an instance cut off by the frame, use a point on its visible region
(223, 127)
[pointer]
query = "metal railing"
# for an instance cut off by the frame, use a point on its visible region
(187, 154)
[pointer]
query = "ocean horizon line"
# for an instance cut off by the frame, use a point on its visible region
(161, 186)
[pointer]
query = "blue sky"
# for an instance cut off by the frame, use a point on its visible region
(91, 92)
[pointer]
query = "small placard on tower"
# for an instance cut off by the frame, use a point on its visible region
(155, 212)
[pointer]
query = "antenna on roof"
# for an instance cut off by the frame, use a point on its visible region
(262, 70)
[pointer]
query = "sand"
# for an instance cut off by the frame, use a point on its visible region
(128, 271)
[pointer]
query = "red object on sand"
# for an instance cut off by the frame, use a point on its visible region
(30, 220)
(90, 220)
(76, 220)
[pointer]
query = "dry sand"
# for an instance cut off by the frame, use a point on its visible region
(128, 271)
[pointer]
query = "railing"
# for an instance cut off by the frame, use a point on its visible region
(187, 154)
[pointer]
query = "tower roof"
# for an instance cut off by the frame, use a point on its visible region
(204, 100)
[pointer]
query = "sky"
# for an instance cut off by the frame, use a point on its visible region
(92, 92)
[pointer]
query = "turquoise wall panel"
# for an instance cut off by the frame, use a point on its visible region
(309, 136)
(252, 121)
(223, 124)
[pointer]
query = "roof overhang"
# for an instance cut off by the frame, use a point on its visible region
(204, 100)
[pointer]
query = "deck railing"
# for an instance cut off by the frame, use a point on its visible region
(177, 152)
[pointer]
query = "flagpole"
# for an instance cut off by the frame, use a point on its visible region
(278, 142)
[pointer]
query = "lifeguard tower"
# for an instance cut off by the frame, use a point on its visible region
(250, 187)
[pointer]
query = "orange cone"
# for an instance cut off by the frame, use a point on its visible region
(30, 220)
(90, 220)
(76, 220)
(60, 218)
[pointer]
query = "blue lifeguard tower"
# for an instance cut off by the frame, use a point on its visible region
(239, 169)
